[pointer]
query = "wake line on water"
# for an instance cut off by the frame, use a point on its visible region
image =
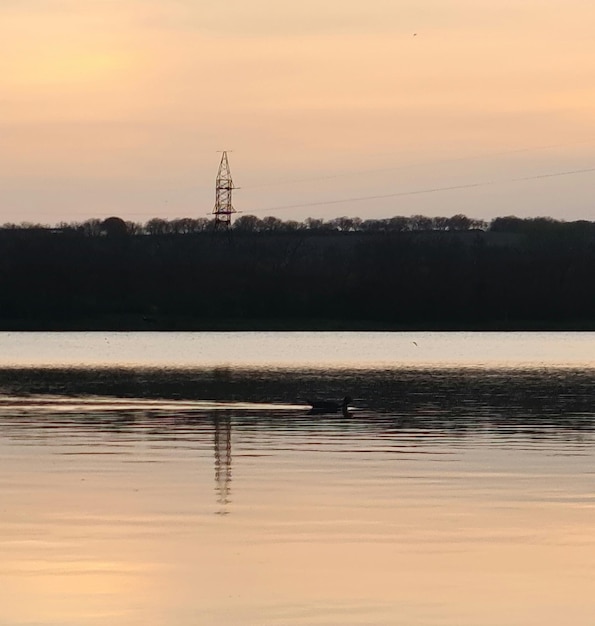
(91, 404)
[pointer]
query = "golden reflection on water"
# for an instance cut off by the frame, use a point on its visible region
(121, 512)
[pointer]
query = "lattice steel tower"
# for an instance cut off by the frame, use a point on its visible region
(223, 188)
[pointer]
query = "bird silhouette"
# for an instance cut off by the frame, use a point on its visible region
(329, 406)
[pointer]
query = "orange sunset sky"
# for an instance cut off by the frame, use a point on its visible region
(330, 107)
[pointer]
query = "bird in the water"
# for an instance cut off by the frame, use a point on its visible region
(330, 406)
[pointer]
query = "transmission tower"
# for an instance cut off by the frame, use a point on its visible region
(223, 188)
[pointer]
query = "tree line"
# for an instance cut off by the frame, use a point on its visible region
(254, 224)
(271, 224)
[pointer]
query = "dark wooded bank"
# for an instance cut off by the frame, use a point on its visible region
(527, 275)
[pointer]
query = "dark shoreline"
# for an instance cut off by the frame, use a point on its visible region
(189, 324)
(300, 281)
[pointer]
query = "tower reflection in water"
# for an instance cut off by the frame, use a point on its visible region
(222, 430)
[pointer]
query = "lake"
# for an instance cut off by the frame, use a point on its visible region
(180, 479)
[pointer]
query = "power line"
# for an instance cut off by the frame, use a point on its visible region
(427, 190)
(418, 164)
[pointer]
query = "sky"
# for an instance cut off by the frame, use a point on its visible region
(327, 108)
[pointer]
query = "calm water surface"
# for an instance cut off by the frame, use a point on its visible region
(179, 479)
